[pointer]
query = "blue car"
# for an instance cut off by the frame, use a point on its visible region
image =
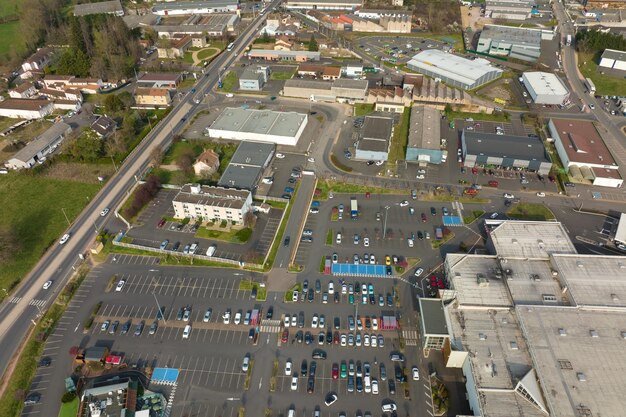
(288, 190)
(315, 204)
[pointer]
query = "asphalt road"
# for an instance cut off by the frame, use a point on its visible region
(18, 311)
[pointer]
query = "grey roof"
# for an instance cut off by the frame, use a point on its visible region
(454, 67)
(530, 239)
(243, 177)
(312, 84)
(268, 122)
(377, 128)
(181, 5)
(291, 54)
(433, 316)
(213, 196)
(424, 128)
(614, 54)
(251, 74)
(40, 143)
(504, 146)
(253, 153)
(314, 2)
(513, 35)
(348, 83)
(113, 6)
(217, 26)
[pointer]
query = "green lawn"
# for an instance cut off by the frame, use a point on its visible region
(9, 38)
(280, 75)
(207, 53)
(69, 409)
(229, 82)
(32, 219)
(361, 109)
(230, 236)
(9, 7)
(397, 148)
(605, 85)
(530, 211)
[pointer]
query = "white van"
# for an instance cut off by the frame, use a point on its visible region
(187, 331)
(292, 412)
(367, 381)
(211, 250)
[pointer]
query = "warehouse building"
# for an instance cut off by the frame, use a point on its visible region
(324, 4)
(504, 151)
(349, 91)
(613, 59)
(583, 152)
(247, 165)
(314, 90)
(185, 8)
(113, 7)
(212, 203)
(518, 43)
(509, 9)
(454, 70)
(281, 128)
(278, 55)
(375, 139)
(424, 143)
(545, 88)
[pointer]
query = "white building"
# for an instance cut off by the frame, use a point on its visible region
(324, 4)
(212, 203)
(545, 88)
(281, 128)
(38, 60)
(583, 152)
(613, 59)
(37, 150)
(184, 8)
(20, 108)
(24, 90)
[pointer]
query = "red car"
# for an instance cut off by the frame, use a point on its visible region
(474, 170)
(552, 179)
(423, 218)
(493, 183)
(285, 337)
(335, 371)
(336, 338)
(161, 223)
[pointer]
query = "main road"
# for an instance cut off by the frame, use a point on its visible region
(19, 311)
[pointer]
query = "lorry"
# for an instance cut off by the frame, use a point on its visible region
(354, 209)
(591, 87)
(569, 40)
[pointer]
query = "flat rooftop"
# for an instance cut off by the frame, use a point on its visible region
(581, 374)
(613, 53)
(530, 239)
(240, 176)
(113, 6)
(376, 127)
(504, 146)
(512, 35)
(425, 128)
(213, 196)
(182, 5)
(252, 153)
(433, 317)
(546, 83)
(531, 282)
(266, 122)
(582, 142)
(476, 280)
(593, 279)
(312, 84)
(452, 66)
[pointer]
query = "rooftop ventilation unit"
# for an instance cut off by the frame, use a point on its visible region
(593, 333)
(562, 332)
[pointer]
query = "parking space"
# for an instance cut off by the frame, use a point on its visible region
(396, 49)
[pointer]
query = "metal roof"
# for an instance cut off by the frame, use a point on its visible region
(113, 6)
(504, 146)
(182, 5)
(433, 317)
(614, 54)
(266, 122)
(424, 128)
(41, 142)
(545, 83)
(512, 35)
(530, 239)
(451, 66)
(253, 153)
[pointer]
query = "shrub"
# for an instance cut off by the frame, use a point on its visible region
(68, 397)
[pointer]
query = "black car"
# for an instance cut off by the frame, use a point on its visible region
(373, 297)
(388, 271)
(286, 241)
(299, 336)
(270, 313)
(305, 285)
(32, 399)
(251, 333)
(370, 163)
(308, 338)
(176, 246)
(337, 323)
(392, 387)
(569, 184)
(336, 297)
(312, 369)
(400, 374)
(329, 337)
(433, 211)
(304, 368)
(179, 315)
(310, 296)
(359, 384)
(310, 385)
(126, 327)
(45, 362)
(420, 235)
(319, 354)
(318, 286)
(254, 293)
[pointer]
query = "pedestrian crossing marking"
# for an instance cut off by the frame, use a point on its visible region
(38, 303)
(15, 300)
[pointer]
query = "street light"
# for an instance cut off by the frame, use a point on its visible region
(66, 218)
(385, 222)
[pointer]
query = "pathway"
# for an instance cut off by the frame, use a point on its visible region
(197, 61)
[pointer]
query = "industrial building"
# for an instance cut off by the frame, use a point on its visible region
(247, 165)
(342, 90)
(212, 203)
(37, 149)
(424, 144)
(536, 328)
(25, 108)
(183, 8)
(113, 7)
(545, 88)
(198, 25)
(122, 398)
(375, 139)
(506, 151)
(510, 9)
(349, 91)
(324, 4)
(278, 55)
(254, 78)
(514, 42)
(613, 59)
(583, 152)
(454, 70)
(281, 128)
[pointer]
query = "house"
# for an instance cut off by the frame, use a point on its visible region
(24, 90)
(68, 94)
(85, 85)
(354, 69)
(160, 80)
(286, 30)
(23, 108)
(38, 60)
(176, 48)
(331, 73)
(207, 163)
(311, 70)
(104, 126)
(41, 146)
(152, 97)
(283, 43)
(253, 79)
(56, 82)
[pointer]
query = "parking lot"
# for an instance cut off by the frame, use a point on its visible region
(397, 49)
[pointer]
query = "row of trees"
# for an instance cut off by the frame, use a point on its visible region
(142, 196)
(594, 41)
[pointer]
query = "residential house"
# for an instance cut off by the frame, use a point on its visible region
(286, 29)
(207, 163)
(24, 90)
(283, 43)
(311, 70)
(269, 55)
(152, 97)
(212, 203)
(67, 94)
(254, 78)
(160, 80)
(104, 126)
(198, 41)
(331, 73)
(37, 150)
(38, 60)
(86, 85)
(56, 82)
(176, 48)
(22, 108)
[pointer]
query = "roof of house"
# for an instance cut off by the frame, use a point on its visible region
(41, 54)
(24, 104)
(23, 87)
(41, 142)
(181, 42)
(113, 6)
(153, 92)
(284, 39)
(332, 71)
(582, 142)
(311, 68)
(505, 146)
(104, 125)
(209, 157)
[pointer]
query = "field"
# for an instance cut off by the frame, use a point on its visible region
(32, 219)
(9, 38)
(530, 211)
(605, 85)
(8, 7)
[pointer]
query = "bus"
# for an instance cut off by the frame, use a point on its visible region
(230, 46)
(354, 209)
(591, 88)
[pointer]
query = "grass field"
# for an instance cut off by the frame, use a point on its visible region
(361, 109)
(605, 85)
(9, 38)
(229, 82)
(280, 75)
(69, 409)
(530, 211)
(32, 219)
(9, 7)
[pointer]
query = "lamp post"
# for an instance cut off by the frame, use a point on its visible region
(66, 218)
(385, 222)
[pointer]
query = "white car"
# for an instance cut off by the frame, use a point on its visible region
(287, 320)
(540, 194)
(64, 239)
(420, 176)
(338, 239)
(374, 324)
(373, 341)
(226, 317)
(311, 159)
(294, 321)
(288, 365)
(404, 203)
(372, 260)
(245, 365)
(508, 196)
(366, 339)
(344, 340)
(187, 331)
(375, 386)
(315, 321)
(120, 285)
(416, 373)
(366, 241)
(389, 407)
(379, 163)
(331, 288)
(47, 285)
(280, 155)
(294, 383)
(419, 272)
(104, 211)
(410, 242)
(230, 95)
(237, 318)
